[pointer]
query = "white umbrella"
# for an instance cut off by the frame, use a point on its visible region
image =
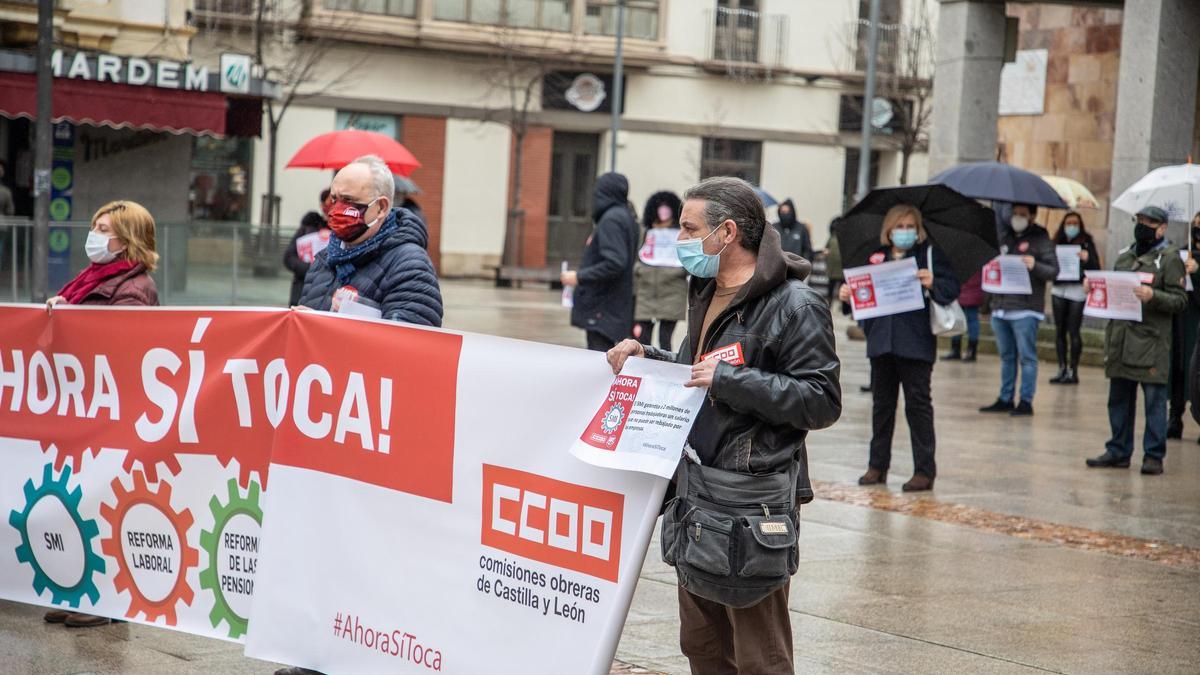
(1174, 189)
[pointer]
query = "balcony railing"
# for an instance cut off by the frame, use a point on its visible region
(742, 36)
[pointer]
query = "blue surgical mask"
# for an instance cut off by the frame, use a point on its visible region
(904, 239)
(1072, 231)
(693, 258)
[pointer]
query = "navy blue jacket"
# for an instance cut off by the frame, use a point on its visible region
(604, 298)
(398, 276)
(908, 335)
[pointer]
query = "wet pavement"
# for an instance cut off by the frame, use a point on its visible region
(1020, 560)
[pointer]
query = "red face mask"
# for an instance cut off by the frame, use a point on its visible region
(346, 219)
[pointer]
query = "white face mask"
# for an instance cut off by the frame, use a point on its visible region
(1019, 223)
(97, 248)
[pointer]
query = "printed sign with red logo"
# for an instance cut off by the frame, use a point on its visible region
(731, 354)
(343, 294)
(643, 423)
(308, 246)
(1007, 275)
(885, 288)
(1111, 295)
(606, 426)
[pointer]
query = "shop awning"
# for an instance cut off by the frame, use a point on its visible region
(123, 106)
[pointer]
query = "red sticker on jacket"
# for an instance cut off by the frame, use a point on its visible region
(876, 258)
(1146, 277)
(731, 354)
(1023, 246)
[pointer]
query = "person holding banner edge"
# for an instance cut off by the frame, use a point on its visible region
(776, 379)
(1139, 352)
(1015, 318)
(902, 349)
(121, 248)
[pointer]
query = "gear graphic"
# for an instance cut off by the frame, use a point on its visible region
(61, 456)
(93, 564)
(249, 463)
(209, 541)
(188, 557)
(149, 461)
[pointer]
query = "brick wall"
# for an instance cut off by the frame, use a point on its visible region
(1074, 135)
(425, 137)
(535, 192)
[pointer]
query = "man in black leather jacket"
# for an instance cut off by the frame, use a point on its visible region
(781, 381)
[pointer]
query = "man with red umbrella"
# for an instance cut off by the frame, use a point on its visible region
(376, 257)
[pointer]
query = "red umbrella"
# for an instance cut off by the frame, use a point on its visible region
(336, 149)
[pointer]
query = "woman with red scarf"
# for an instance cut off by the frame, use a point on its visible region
(121, 248)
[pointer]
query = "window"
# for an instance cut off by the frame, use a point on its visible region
(889, 27)
(407, 8)
(641, 18)
(737, 31)
(727, 157)
(220, 177)
(541, 14)
(850, 179)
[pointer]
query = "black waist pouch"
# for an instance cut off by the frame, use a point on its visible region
(732, 537)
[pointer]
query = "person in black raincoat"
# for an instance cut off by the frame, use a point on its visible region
(793, 234)
(603, 300)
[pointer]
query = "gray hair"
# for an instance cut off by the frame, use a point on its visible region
(729, 198)
(383, 184)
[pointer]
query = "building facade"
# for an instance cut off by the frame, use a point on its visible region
(763, 89)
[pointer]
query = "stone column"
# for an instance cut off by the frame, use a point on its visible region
(966, 95)
(1156, 100)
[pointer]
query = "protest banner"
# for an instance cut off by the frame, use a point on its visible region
(884, 288)
(1006, 275)
(1068, 262)
(418, 476)
(659, 248)
(1110, 296)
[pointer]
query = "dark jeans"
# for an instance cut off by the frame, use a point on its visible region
(598, 343)
(888, 374)
(721, 640)
(1122, 414)
(665, 330)
(1068, 320)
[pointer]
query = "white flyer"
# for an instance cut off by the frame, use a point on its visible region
(643, 422)
(659, 249)
(308, 246)
(1110, 296)
(884, 289)
(1068, 262)
(1006, 275)
(568, 292)
(1187, 278)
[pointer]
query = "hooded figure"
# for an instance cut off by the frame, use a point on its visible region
(603, 301)
(793, 234)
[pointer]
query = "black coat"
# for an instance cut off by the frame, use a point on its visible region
(311, 222)
(794, 236)
(757, 415)
(604, 297)
(1032, 242)
(908, 335)
(398, 276)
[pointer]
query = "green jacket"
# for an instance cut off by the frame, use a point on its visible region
(1142, 351)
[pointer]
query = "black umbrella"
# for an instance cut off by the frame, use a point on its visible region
(963, 229)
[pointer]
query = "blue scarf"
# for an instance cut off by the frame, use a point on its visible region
(344, 261)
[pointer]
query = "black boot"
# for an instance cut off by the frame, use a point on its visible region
(1072, 376)
(955, 353)
(971, 347)
(1061, 377)
(1175, 428)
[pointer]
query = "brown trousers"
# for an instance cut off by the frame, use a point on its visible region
(720, 640)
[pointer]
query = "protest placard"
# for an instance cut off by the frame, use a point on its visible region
(1006, 275)
(1068, 262)
(885, 288)
(1110, 296)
